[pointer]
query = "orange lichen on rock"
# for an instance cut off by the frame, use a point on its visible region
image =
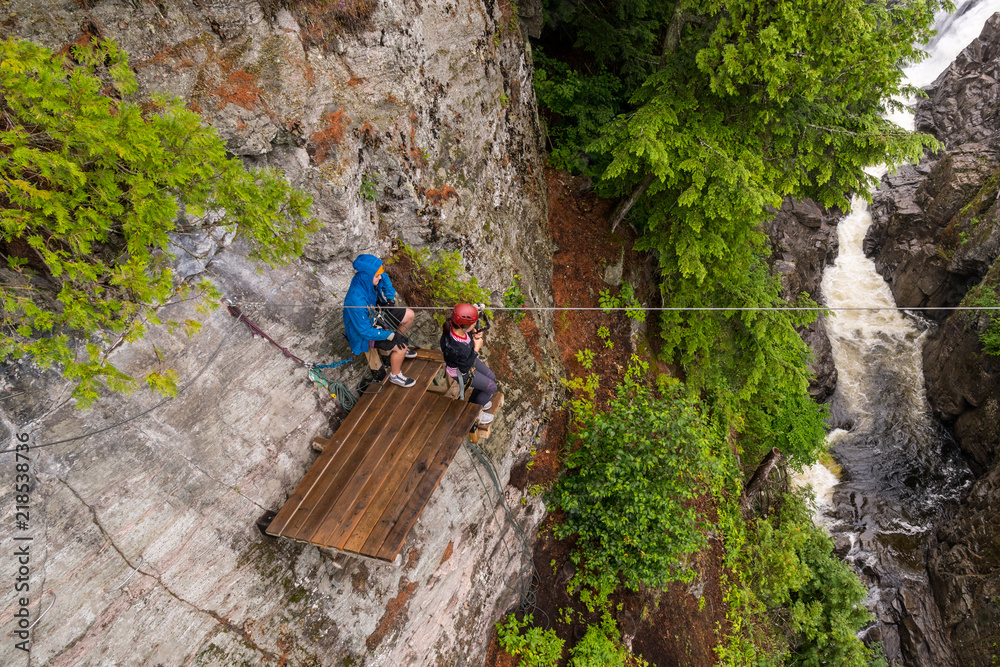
(355, 81)
(448, 550)
(241, 89)
(321, 143)
(394, 616)
(439, 196)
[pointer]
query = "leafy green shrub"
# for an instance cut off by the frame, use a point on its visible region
(441, 279)
(985, 296)
(513, 298)
(369, 187)
(605, 335)
(601, 647)
(583, 392)
(625, 298)
(798, 604)
(585, 357)
(92, 182)
(793, 566)
(630, 487)
(535, 648)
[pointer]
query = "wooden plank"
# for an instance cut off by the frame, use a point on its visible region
(428, 482)
(435, 425)
(409, 453)
(315, 473)
(410, 412)
(351, 454)
(431, 355)
(346, 448)
(357, 520)
(396, 408)
(389, 503)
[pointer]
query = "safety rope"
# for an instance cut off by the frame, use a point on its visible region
(335, 388)
(528, 579)
(255, 330)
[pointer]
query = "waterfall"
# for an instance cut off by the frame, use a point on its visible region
(899, 467)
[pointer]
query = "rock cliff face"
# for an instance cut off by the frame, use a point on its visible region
(803, 242)
(935, 237)
(405, 120)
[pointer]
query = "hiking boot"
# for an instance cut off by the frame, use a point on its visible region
(411, 353)
(489, 404)
(402, 380)
(485, 418)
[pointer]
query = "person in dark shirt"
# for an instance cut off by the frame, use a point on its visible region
(370, 286)
(460, 346)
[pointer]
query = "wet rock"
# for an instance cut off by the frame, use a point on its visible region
(936, 236)
(922, 223)
(964, 565)
(963, 105)
(963, 384)
(915, 238)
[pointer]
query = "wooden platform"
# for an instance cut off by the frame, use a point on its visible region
(365, 491)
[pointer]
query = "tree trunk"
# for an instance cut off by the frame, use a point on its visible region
(671, 40)
(625, 205)
(756, 482)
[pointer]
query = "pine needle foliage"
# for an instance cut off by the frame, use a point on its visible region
(800, 603)
(727, 108)
(93, 180)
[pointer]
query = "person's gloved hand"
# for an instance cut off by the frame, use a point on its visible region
(400, 339)
(390, 302)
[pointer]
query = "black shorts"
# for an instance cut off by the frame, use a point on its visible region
(388, 318)
(385, 344)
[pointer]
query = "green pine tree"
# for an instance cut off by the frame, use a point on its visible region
(92, 181)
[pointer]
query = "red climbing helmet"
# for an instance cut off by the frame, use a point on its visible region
(463, 315)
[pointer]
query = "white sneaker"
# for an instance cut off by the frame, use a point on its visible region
(485, 418)
(402, 380)
(489, 404)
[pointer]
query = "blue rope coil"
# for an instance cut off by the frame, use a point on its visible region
(336, 364)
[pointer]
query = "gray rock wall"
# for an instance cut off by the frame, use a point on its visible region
(143, 534)
(936, 236)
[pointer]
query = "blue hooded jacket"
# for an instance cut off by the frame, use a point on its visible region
(358, 321)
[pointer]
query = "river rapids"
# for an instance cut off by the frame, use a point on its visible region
(898, 467)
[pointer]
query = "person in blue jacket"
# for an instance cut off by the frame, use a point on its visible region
(370, 314)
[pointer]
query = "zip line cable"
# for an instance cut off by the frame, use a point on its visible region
(241, 318)
(667, 308)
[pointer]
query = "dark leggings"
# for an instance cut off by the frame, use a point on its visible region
(483, 384)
